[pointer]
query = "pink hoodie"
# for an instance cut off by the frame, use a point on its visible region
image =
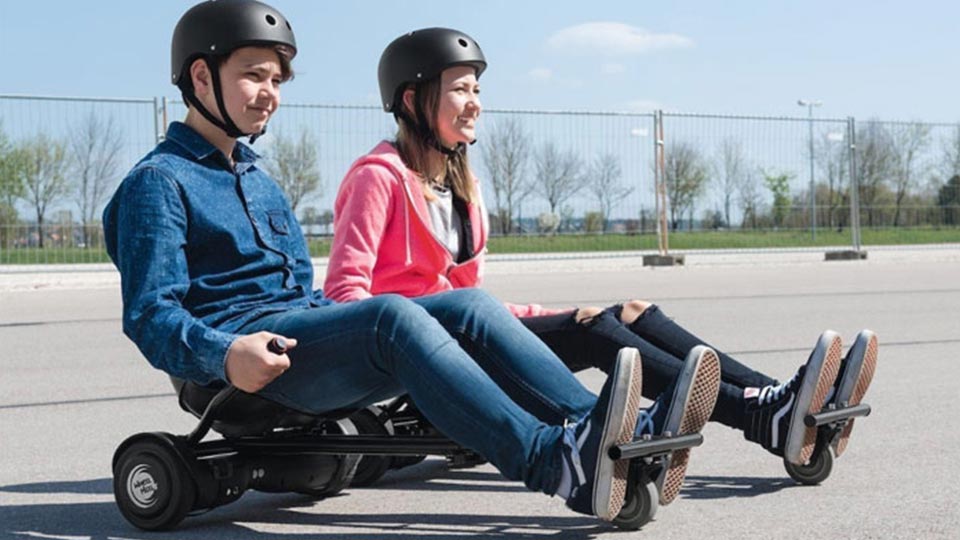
(383, 241)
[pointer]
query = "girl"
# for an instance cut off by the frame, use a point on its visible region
(409, 220)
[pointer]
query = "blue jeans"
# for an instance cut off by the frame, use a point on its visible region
(473, 370)
(663, 346)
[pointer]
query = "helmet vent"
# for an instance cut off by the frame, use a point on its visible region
(271, 20)
(462, 42)
(288, 26)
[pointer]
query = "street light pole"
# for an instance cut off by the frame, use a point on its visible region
(810, 104)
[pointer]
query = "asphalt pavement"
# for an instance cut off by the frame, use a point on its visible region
(72, 387)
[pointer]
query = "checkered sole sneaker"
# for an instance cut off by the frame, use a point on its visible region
(775, 413)
(801, 440)
(598, 484)
(854, 380)
(608, 503)
(691, 407)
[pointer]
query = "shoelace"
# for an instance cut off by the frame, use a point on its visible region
(645, 425)
(769, 394)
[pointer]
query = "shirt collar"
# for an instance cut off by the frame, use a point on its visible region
(200, 148)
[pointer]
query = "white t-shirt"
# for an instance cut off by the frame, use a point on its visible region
(445, 220)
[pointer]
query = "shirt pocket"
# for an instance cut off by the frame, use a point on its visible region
(279, 223)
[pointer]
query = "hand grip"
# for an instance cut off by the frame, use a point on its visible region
(277, 345)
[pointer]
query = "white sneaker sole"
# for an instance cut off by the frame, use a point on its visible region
(610, 480)
(821, 373)
(861, 365)
(690, 409)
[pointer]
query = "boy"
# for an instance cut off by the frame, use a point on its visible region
(214, 266)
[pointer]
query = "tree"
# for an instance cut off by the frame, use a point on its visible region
(908, 141)
(732, 169)
(325, 220)
(748, 194)
(95, 156)
(505, 155)
(293, 165)
(833, 160)
(594, 222)
(45, 178)
(685, 177)
(779, 186)
(876, 162)
(308, 218)
(559, 176)
(948, 198)
(950, 160)
(11, 184)
(604, 184)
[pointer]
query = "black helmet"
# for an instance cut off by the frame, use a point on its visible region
(215, 28)
(422, 55)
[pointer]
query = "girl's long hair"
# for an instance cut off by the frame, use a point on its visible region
(419, 155)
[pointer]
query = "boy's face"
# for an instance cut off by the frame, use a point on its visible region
(250, 82)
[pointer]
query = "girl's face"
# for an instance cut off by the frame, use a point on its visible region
(459, 106)
(250, 81)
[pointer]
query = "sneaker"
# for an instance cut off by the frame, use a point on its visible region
(685, 409)
(593, 483)
(775, 412)
(856, 373)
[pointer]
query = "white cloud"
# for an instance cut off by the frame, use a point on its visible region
(541, 74)
(614, 39)
(612, 68)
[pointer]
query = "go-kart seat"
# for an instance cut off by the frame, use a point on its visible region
(244, 414)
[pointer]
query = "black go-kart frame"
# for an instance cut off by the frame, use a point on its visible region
(160, 478)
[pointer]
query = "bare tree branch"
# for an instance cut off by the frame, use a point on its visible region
(732, 169)
(908, 141)
(506, 152)
(559, 176)
(685, 177)
(604, 184)
(293, 165)
(95, 158)
(45, 176)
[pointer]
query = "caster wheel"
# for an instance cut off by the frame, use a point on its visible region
(343, 476)
(641, 503)
(815, 471)
(152, 486)
(371, 468)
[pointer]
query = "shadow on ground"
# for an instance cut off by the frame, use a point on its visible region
(260, 516)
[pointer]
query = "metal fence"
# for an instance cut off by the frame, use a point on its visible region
(720, 172)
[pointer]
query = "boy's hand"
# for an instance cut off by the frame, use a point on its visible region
(250, 365)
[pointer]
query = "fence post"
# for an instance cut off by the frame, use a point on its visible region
(854, 185)
(854, 253)
(160, 119)
(663, 257)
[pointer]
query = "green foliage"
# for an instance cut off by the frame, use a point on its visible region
(593, 222)
(949, 200)
(12, 162)
(779, 186)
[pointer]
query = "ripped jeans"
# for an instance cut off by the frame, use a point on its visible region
(663, 346)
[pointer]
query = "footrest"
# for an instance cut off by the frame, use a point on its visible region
(655, 446)
(836, 415)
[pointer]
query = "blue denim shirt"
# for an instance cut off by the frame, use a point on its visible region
(202, 249)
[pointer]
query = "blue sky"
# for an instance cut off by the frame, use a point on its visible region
(893, 60)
